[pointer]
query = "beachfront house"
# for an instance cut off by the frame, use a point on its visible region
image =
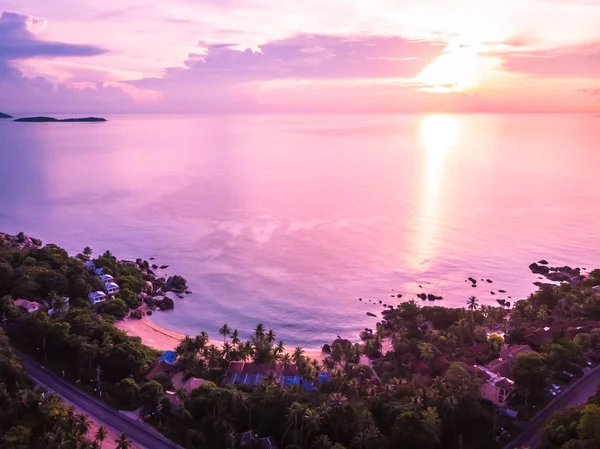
(111, 288)
(250, 374)
(89, 265)
(30, 306)
(106, 278)
(97, 297)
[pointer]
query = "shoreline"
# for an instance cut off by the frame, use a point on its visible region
(162, 339)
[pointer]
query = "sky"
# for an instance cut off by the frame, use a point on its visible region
(297, 56)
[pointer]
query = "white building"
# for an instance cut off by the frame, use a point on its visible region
(111, 288)
(89, 265)
(106, 278)
(97, 297)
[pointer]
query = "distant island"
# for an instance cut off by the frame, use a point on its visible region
(2, 115)
(52, 119)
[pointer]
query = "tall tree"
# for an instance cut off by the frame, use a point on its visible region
(225, 330)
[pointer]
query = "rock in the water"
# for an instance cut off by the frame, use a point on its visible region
(371, 314)
(360, 299)
(188, 292)
(473, 285)
(493, 292)
(154, 266)
(543, 262)
(558, 276)
(175, 283)
(423, 296)
(380, 301)
(149, 312)
(539, 269)
(399, 295)
(489, 281)
(502, 291)
(164, 267)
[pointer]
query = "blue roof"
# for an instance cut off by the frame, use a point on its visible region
(169, 357)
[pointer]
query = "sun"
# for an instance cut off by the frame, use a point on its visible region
(455, 71)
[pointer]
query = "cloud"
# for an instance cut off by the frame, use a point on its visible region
(303, 57)
(17, 41)
(578, 61)
(19, 93)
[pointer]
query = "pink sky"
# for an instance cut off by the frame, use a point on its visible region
(300, 56)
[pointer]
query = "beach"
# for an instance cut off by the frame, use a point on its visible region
(163, 339)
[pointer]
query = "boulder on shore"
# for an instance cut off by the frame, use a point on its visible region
(371, 314)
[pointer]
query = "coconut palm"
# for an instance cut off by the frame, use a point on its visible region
(100, 435)
(270, 336)
(279, 348)
(312, 422)
(87, 252)
(259, 331)
(293, 417)
(298, 356)
(123, 442)
(427, 352)
(226, 351)
(82, 424)
(472, 305)
(322, 442)
(225, 330)
(235, 337)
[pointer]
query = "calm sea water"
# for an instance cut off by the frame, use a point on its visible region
(288, 220)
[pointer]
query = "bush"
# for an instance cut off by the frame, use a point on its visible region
(126, 394)
(115, 307)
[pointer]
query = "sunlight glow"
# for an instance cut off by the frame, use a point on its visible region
(455, 71)
(438, 135)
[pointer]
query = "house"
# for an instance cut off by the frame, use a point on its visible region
(30, 306)
(539, 337)
(111, 288)
(188, 384)
(91, 266)
(160, 368)
(106, 278)
(495, 388)
(97, 297)
(496, 385)
(501, 365)
(99, 271)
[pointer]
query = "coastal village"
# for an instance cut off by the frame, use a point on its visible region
(419, 378)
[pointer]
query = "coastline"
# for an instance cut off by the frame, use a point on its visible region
(162, 339)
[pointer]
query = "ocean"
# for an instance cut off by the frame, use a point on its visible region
(288, 220)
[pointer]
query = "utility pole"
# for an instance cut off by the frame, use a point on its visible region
(98, 380)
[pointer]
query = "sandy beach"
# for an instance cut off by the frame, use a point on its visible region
(163, 339)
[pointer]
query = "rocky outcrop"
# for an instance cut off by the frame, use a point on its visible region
(176, 284)
(19, 241)
(539, 269)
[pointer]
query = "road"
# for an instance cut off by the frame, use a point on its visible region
(578, 393)
(135, 431)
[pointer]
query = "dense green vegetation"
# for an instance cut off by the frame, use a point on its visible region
(420, 390)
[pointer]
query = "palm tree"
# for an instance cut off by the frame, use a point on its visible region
(312, 418)
(225, 331)
(322, 442)
(226, 350)
(259, 332)
(100, 435)
(87, 252)
(279, 348)
(270, 336)
(295, 414)
(82, 424)
(472, 305)
(235, 337)
(123, 442)
(427, 352)
(298, 356)
(542, 313)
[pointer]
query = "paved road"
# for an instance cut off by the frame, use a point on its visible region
(578, 393)
(135, 431)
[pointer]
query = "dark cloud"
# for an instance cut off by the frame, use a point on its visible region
(302, 57)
